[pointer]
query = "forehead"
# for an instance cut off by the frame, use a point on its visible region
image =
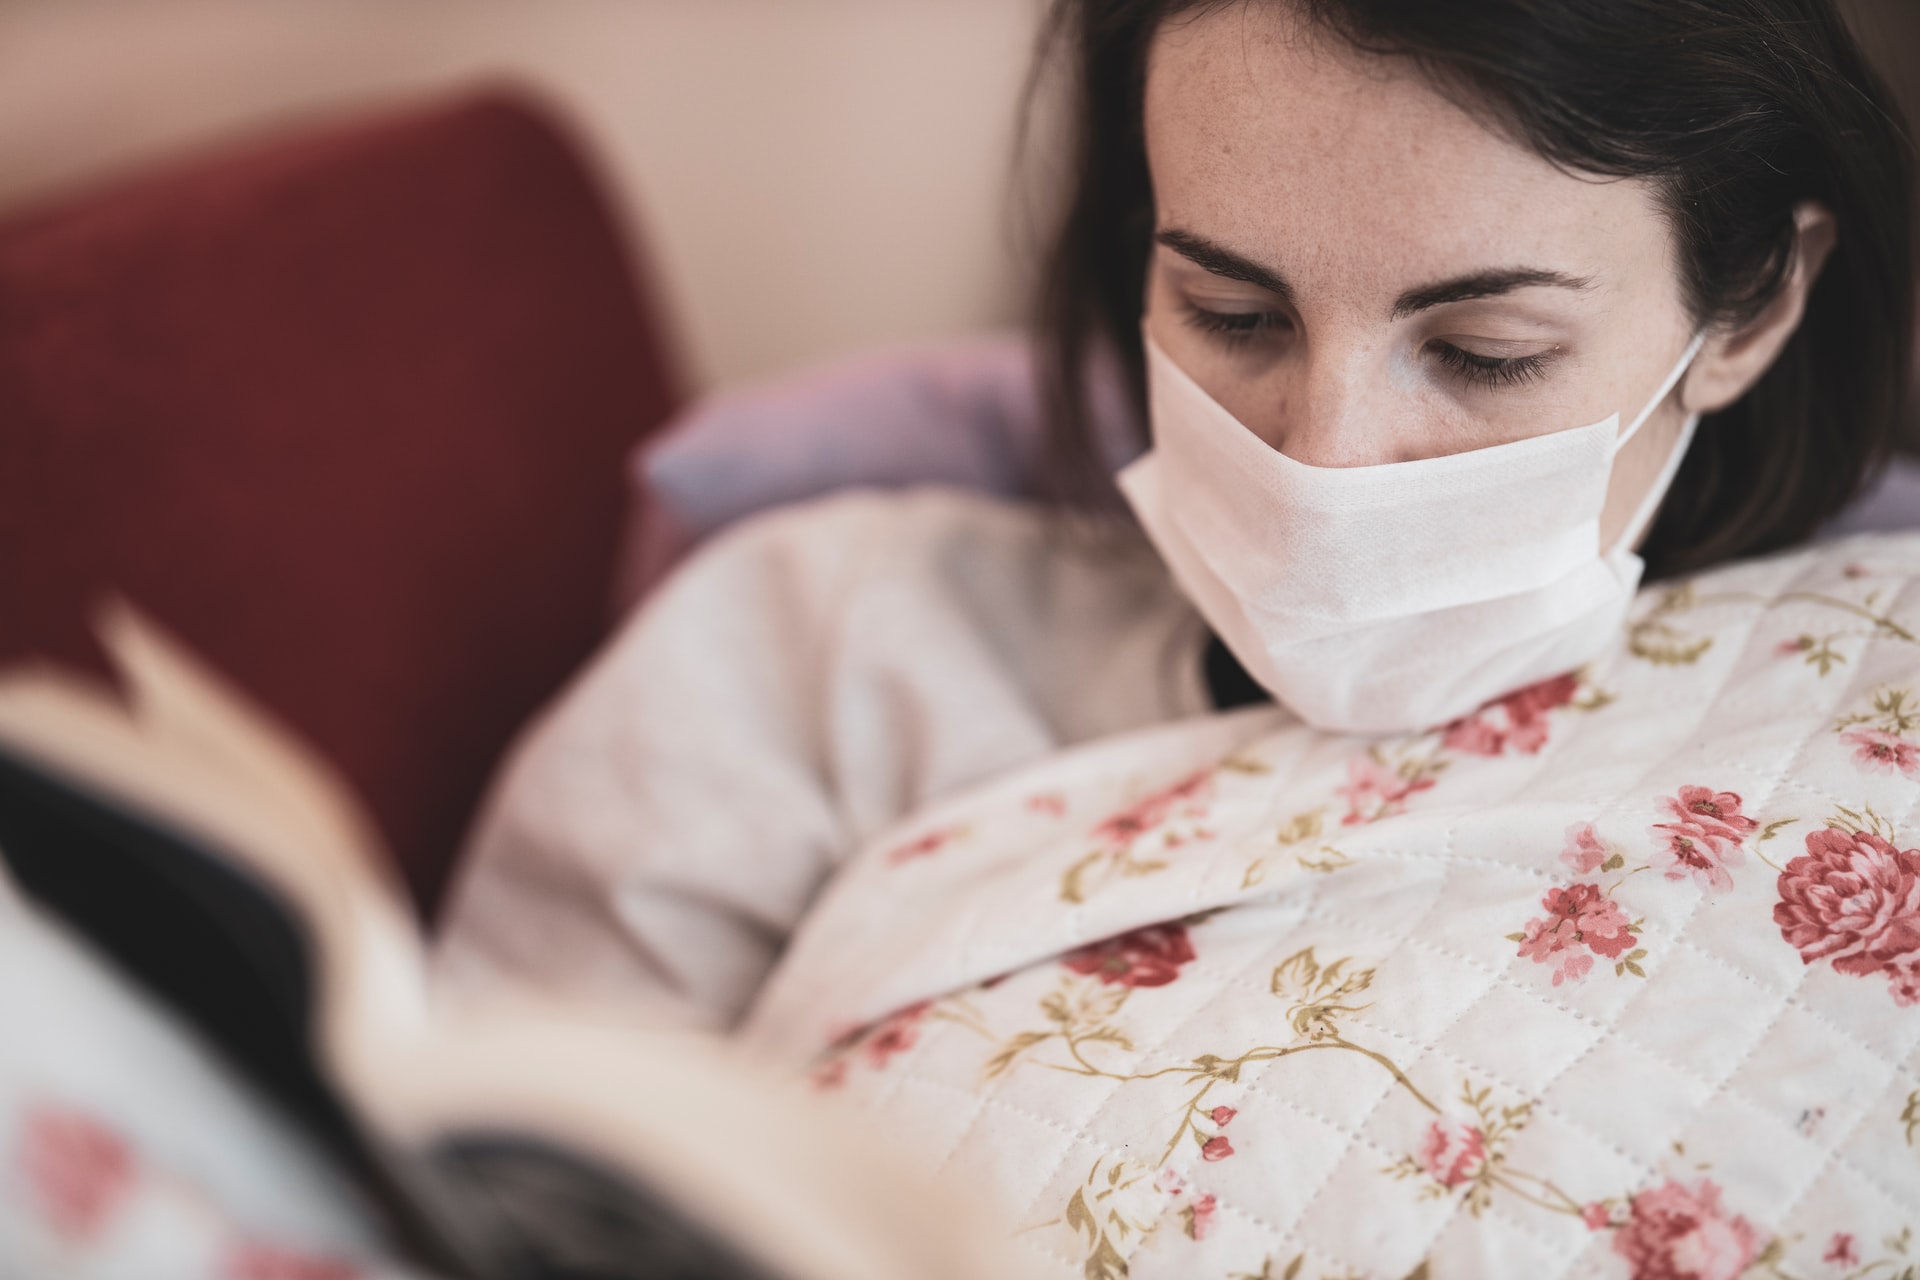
(1286, 142)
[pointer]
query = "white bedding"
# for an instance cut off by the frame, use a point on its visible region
(1619, 977)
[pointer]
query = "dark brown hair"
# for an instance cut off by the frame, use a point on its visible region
(1740, 109)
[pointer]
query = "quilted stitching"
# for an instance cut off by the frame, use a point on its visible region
(1724, 1060)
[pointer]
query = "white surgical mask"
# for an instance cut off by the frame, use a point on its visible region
(1398, 597)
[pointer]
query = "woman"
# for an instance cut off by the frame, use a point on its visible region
(1437, 312)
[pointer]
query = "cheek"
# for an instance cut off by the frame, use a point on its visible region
(1636, 469)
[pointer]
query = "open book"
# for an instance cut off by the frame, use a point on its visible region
(224, 867)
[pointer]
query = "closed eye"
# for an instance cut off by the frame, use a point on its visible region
(1233, 326)
(1476, 370)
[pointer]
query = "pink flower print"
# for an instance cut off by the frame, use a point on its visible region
(1517, 722)
(1597, 1216)
(1687, 853)
(252, 1261)
(1573, 966)
(1714, 812)
(1677, 1232)
(1197, 1215)
(1581, 922)
(1854, 899)
(1903, 983)
(1148, 812)
(1150, 956)
(1703, 839)
(1453, 1151)
(78, 1171)
(1585, 850)
(1218, 1146)
(829, 1075)
(1790, 648)
(1877, 751)
(1049, 804)
(1200, 1215)
(924, 846)
(1373, 791)
(1475, 735)
(898, 1033)
(1855, 570)
(1841, 1251)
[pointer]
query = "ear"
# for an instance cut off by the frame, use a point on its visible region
(1730, 363)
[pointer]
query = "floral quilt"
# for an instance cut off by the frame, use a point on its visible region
(1617, 977)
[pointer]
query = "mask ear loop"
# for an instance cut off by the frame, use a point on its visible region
(1666, 389)
(1643, 515)
(1651, 503)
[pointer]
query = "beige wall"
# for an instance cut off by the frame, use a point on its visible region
(813, 175)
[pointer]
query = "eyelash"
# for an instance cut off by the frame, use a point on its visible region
(1232, 326)
(1490, 371)
(1236, 327)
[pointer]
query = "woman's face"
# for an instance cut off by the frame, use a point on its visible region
(1362, 272)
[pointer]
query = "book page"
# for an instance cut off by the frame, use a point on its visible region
(186, 749)
(496, 1108)
(798, 1183)
(186, 706)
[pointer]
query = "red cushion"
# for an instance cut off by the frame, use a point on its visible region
(347, 414)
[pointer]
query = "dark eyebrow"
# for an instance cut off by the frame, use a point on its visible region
(1224, 262)
(1227, 264)
(1485, 284)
